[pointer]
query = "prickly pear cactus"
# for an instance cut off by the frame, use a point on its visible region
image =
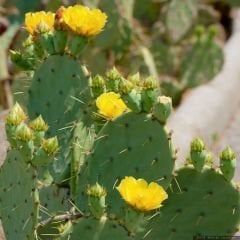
(199, 204)
(112, 151)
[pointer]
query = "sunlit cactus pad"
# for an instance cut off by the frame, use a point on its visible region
(131, 145)
(199, 204)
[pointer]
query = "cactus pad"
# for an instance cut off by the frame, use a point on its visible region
(67, 78)
(19, 208)
(200, 204)
(131, 145)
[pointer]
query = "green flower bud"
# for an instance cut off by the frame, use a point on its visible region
(135, 79)
(133, 100)
(162, 109)
(125, 86)
(198, 154)
(60, 40)
(96, 191)
(113, 74)
(113, 79)
(150, 83)
(38, 124)
(46, 42)
(50, 145)
(228, 163)
(98, 86)
(16, 115)
(24, 133)
(96, 200)
(197, 145)
(22, 61)
(227, 154)
(77, 44)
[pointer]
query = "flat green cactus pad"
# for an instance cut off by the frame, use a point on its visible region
(131, 145)
(92, 229)
(59, 92)
(17, 208)
(201, 204)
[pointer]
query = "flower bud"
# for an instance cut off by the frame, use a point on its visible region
(60, 40)
(21, 61)
(24, 141)
(46, 42)
(96, 200)
(113, 80)
(149, 93)
(125, 86)
(197, 145)
(38, 124)
(77, 44)
(16, 115)
(150, 83)
(228, 163)
(39, 128)
(135, 79)
(162, 109)
(198, 154)
(50, 145)
(98, 86)
(24, 133)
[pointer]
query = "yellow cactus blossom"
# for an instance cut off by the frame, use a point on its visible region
(110, 105)
(33, 20)
(83, 21)
(141, 195)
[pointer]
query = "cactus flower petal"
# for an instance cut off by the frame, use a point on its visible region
(141, 195)
(110, 105)
(83, 21)
(34, 20)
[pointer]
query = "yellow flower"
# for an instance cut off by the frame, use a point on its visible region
(83, 21)
(110, 105)
(33, 20)
(141, 195)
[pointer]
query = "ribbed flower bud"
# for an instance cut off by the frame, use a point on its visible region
(198, 154)
(24, 133)
(16, 115)
(96, 200)
(50, 145)
(38, 124)
(162, 109)
(228, 163)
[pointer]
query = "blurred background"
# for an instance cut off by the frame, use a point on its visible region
(178, 42)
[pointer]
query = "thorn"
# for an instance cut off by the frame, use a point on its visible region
(234, 211)
(104, 163)
(153, 161)
(154, 215)
(77, 99)
(103, 136)
(147, 233)
(175, 179)
(174, 217)
(115, 183)
(75, 207)
(160, 179)
(124, 150)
